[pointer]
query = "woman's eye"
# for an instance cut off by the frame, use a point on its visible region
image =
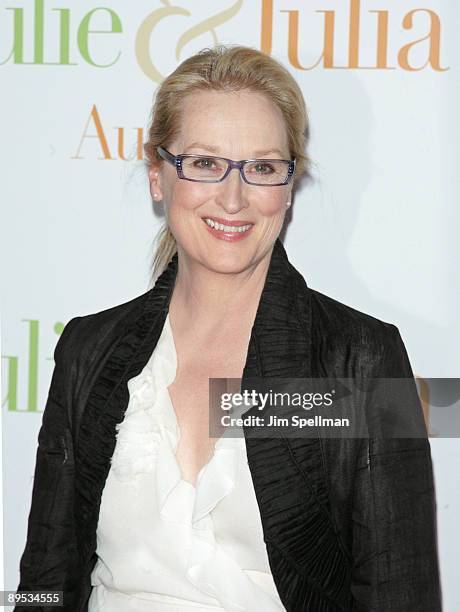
(263, 168)
(203, 162)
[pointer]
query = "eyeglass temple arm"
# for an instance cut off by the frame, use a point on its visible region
(166, 155)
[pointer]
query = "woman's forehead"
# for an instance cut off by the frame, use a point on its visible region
(208, 117)
(222, 100)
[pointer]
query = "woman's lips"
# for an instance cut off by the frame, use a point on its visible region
(234, 222)
(228, 235)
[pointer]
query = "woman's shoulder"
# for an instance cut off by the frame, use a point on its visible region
(331, 318)
(351, 331)
(89, 333)
(341, 316)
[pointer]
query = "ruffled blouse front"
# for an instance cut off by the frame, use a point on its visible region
(164, 545)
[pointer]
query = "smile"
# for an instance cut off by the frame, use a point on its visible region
(227, 228)
(229, 231)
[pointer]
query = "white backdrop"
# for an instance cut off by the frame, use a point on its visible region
(377, 229)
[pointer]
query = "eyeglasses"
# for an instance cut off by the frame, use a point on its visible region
(210, 169)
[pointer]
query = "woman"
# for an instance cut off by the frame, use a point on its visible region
(135, 506)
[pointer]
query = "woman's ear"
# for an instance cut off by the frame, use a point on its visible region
(155, 183)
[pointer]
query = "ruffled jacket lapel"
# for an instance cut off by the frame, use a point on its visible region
(288, 475)
(108, 401)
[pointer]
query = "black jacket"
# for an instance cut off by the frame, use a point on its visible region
(349, 524)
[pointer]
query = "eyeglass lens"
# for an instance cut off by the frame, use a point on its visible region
(213, 168)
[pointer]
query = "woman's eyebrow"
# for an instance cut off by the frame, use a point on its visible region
(216, 150)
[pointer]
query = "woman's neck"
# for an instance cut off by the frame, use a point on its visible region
(205, 302)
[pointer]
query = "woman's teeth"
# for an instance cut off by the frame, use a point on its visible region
(228, 228)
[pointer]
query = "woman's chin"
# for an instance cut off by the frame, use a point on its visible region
(227, 260)
(228, 264)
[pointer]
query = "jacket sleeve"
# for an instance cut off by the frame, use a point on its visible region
(50, 557)
(394, 550)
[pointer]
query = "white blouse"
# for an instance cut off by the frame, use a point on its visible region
(162, 544)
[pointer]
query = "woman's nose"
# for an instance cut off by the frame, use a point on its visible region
(232, 192)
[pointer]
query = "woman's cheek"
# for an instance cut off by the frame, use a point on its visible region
(273, 207)
(187, 195)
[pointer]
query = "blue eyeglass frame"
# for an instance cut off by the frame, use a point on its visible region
(176, 160)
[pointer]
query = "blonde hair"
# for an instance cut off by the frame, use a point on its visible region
(224, 68)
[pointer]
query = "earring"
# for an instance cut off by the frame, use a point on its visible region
(288, 204)
(155, 195)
